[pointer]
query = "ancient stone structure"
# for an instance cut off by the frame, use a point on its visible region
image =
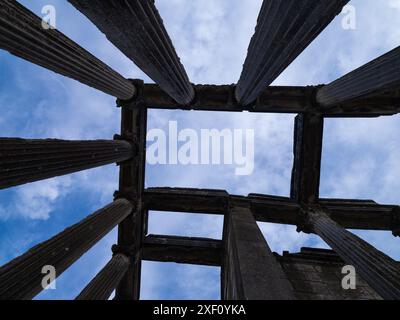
(249, 270)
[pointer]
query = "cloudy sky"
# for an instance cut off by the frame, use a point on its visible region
(360, 156)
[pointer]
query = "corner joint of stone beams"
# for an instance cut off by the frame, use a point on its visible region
(129, 251)
(306, 214)
(138, 100)
(129, 196)
(316, 108)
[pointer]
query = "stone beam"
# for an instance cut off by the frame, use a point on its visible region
(186, 250)
(222, 98)
(186, 200)
(273, 99)
(351, 214)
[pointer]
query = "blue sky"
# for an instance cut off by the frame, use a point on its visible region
(360, 157)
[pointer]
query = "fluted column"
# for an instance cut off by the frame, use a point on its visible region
(136, 28)
(22, 277)
(22, 34)
(284, 29)
(371, 79)
(380, 271)
(105, 282)
(23, 161)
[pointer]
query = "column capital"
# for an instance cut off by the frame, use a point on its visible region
(130, 251)
(308, 214)
(131, 197)
(379, 270)
(137, 101)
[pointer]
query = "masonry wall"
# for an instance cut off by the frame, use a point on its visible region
(315, 274)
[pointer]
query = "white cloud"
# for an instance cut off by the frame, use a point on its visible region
(394, 4)
(211, 37)
(366, 153)
(285, 238)
(186, 224)
(36, 201)
(179, 281)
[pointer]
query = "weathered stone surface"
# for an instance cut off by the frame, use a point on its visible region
(22, 34)
(353, 214)
(250, 270)
(385, 103)
(105, 282)
(136, 28)
(381, 272)
(284, 29)
(396, 221)
(186, 200)
(131, 186)
(371, 80)
(316, 274)
(274, 99)
(186, 250)
(23, 161)
(222, 98)
(307, 151)
(357, 214)
(22, 277)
